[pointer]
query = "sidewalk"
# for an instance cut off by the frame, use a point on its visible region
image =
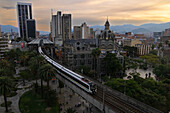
(15, 99)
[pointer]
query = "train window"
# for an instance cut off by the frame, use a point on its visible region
(80, 82)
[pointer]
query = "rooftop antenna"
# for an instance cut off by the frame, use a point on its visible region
(51, 12)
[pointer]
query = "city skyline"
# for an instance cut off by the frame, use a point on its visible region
(92, 12)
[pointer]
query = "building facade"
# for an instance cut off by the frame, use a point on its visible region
(66, 27)
(131, 42)
(143, 49)
(106, 40)
(31, 29)
(85, 31)
(78, 53)
(81, 32)
(56, 29)
(24, 12)
(91, 33)
(77, 32)
(3, 46)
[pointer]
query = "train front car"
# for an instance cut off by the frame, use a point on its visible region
(93, 87)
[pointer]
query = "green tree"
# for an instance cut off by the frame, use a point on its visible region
(95, 53)
(84, 69)
(166, 42)
(47, 72)
(162, 71)
(6, 85)
(25, 75)
(153, 46)
(154, 52)
(131, 51)
(24, 57)
(35, 63)
(11, 55)
(151, 59)
(112, 65)
(6, 69)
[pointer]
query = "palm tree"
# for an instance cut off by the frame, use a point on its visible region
(47, 72)
(24, 57)
(41, 76)
(6, 72)
(5, 87)
(96, 53)
(4, 64)
(34, 64)
(24, 74)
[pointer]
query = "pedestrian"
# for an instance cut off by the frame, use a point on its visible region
(146, 76)
(149, 75)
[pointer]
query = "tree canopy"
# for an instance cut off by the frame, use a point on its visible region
(112, 65)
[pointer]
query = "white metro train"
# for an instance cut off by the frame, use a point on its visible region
(75, 78)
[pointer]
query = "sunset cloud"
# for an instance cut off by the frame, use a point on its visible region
(93, 12)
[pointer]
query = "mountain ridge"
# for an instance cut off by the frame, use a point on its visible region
(144, 28)
(7, 28)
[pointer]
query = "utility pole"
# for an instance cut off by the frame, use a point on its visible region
(103, 100)
(125, 88)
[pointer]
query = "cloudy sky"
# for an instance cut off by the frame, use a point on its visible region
(93, 12)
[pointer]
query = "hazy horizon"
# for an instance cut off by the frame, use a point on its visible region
(92, 12)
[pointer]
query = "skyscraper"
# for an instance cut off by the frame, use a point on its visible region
(24, 12)
(85, 31)
(77, 32)
(56, 29)
(81, 32)
(31, 29)
(91, 33)
(66, 26)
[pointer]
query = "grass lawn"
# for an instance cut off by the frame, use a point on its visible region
(32, 103)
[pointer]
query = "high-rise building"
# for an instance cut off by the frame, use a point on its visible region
(3, 46)
(24, 12)
(66, 26)
(56, 29)
(91, 33)
(37, 34)
(81, 32)
(31, 29)
(77, 32)
(85, 31)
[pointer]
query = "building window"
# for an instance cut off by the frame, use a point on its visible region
(78, 43)
(78, 48)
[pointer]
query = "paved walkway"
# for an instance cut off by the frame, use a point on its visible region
(15, 99)
(66, 98)
(142, 72)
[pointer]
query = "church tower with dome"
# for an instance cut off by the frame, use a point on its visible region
(107, 39)
(107, 25)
